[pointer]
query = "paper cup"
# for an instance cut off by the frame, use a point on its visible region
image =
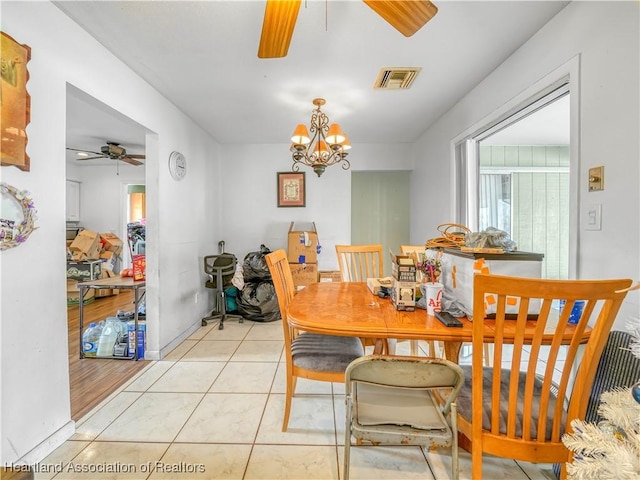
(432, 292)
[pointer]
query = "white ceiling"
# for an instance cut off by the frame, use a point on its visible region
(202, 56)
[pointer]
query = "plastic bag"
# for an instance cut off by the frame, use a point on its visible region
(258, 301)
(254, 268)
(490, 238)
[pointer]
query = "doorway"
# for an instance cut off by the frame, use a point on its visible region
(90, 125)
(380, 211)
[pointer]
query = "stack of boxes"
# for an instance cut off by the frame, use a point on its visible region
(403, 292)
(92, 256)
(302, 253)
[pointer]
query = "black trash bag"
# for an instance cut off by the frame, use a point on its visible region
(258, 301)
(254, 268)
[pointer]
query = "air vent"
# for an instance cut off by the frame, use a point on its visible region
(396, 78)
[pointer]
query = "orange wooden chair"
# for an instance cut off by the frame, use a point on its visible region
(357, 263)
(308, 355)
(520, 407)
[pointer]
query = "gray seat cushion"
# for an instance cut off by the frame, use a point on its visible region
(464, 401)
(325, 353)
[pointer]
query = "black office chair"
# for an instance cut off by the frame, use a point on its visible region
(220, 270)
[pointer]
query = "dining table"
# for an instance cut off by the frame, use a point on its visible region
(351, 309)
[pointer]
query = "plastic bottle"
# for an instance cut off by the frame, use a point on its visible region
(108, 338)
(90, 339)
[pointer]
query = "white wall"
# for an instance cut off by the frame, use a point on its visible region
(250, 214)
(35, 408)
(605, 37)
(102, 197)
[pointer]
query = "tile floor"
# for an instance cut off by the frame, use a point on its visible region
(212, 409)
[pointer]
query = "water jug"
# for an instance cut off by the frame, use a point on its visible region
(108, 337)
(90, 339)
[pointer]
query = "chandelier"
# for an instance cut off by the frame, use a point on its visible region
(327, 146)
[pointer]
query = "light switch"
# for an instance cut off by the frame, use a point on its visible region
(596, 179)
(593, 217)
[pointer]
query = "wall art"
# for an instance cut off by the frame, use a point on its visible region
(15, 102)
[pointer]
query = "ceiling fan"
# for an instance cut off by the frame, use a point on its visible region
(407, 16)
(111, 150)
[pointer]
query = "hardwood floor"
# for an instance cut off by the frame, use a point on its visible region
(92, 380)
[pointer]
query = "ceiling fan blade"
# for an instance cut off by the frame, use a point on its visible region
(90, 158)
(84, 151)
(136, 156)
(406, 16)
(130, 161)
(277, 27)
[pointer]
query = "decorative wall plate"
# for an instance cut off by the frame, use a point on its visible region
(17, 216)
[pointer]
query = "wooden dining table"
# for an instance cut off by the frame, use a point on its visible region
(350, 309)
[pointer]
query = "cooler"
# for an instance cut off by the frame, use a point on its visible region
(459, 268)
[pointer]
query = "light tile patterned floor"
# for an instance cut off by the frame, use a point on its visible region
(212, 409)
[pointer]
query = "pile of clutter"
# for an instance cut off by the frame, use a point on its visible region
(115, 337)
(92, 256)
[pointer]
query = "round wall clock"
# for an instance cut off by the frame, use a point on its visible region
(177, 165)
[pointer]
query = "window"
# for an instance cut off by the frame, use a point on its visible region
(517, 175)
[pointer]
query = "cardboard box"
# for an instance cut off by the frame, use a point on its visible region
(374, 284)
(107, 292)
(139, 267)
(136, 340)
(403, 268)
(109, 274)
(329, 276)
(84, 270)
(73, 293)
(302, 246)
(86, 246)
(403, 295)
(111, 243)
(304, 273)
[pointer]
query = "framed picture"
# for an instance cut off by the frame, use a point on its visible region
(291, 189)
(15, 101)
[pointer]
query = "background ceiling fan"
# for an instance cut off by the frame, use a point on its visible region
(111, 150)
(406, 16)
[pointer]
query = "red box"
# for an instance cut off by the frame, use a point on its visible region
(139, 267)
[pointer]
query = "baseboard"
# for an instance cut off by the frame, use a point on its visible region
(48, 445)
(155, 355)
